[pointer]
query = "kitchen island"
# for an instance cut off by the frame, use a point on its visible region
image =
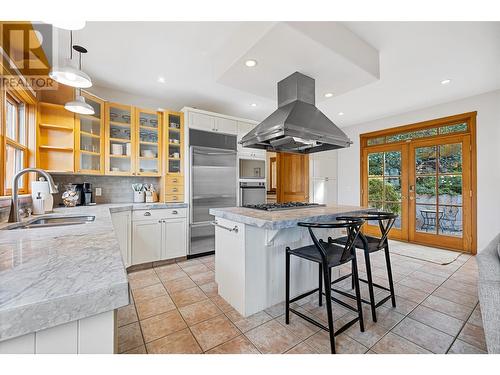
(250, 253)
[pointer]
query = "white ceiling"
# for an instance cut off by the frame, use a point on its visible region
(202, 64)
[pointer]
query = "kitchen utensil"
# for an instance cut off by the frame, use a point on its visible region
(148, 154)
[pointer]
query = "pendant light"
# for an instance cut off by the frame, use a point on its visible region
(79, 105)
(69, 75)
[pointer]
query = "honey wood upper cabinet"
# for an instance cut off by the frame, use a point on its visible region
(120, 140)
(148, 136)
(55, 138)
(89, 138)
(173, 140)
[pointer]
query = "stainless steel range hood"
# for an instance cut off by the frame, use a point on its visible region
(297, 125)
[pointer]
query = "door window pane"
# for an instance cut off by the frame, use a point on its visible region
(392, 189)
(395, 208)
(453, 128)
(426, 189)
(450, 223)
(425, 160)
(450, 158)
(427, 217)
(376, 164)
(392, 166)
(375, 189)
(450, 190)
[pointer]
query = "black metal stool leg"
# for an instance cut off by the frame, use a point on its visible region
(355, 277)
(353, 264)
(320, 286)
(328, 297)
(389, 274)
(287, 286)
(370, 285)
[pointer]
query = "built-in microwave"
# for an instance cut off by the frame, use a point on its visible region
(251, 168)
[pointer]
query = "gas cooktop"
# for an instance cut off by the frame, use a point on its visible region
(282, 206)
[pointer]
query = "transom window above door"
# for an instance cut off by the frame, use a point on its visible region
(418, 134)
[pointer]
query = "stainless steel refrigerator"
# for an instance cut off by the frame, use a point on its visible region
(213, 184)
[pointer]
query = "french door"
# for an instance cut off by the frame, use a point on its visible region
(385, 184)
(440, 192)
(428, 183)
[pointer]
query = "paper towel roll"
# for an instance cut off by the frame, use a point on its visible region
(43, 188)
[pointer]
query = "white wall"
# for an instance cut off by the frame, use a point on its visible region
(488, 155)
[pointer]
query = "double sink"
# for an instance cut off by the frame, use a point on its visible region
(52, 221)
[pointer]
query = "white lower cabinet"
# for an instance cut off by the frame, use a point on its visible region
(174, 238)
(122, 223)
(146, 241)
(91, 335)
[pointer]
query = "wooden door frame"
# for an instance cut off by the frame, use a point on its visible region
(470, 119)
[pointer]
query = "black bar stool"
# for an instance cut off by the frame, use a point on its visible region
(328, 255)
(371, 244)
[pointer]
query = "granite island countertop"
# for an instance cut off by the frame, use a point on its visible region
(54, 275)
(285, 218)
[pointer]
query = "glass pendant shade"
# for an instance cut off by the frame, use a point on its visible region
(68, 75)
(79, 106)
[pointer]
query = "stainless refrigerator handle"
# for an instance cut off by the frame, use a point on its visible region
(235, 229)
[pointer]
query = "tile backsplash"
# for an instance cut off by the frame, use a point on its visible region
(115, 189)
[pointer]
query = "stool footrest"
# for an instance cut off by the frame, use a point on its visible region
(383, 300)
(319, 325)
(375, 284)
(303, 295)
(342, 278)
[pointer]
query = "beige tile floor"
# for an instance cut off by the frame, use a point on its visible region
(176, 309)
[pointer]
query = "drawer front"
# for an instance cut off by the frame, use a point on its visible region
(164, 213)
(174, 190)
(174, 197)
(175, 180)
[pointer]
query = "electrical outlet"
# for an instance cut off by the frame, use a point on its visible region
(98, 192)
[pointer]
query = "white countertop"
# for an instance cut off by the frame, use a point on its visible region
(54, 275)
(284, 218)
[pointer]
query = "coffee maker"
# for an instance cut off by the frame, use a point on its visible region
(84, 194)
(87, 194)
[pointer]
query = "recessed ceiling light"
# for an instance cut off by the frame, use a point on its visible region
(328, 95)
(341, 113)
(251, 63)
(161, 79)
(253, 105)
(161, 109)
(446, 81)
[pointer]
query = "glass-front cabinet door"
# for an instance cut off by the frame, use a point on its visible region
(148, 131)
(120, 137)
(174, 129)
(89, 145)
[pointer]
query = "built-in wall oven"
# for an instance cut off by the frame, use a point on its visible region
(252, 192)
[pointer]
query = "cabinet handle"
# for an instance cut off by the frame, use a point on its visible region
(174, 189)
(235, 229)
(147, 213)
(174, 212)
(174, 180)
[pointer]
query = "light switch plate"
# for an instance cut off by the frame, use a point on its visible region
(98, 192)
